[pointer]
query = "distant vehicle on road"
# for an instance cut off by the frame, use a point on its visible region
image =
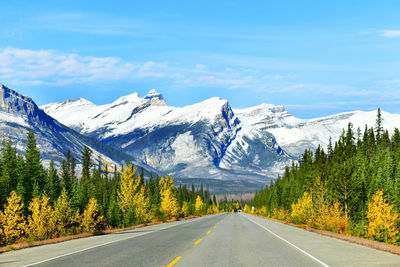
(239, 211)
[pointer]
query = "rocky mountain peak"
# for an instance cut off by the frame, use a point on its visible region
(153, 94)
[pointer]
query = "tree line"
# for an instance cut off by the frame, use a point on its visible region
(38, 203)
(352, 188)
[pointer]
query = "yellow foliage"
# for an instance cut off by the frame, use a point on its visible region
(90, 219)
(12, 220)
(339, 219)
(131, 194)
(237, 205)
(382, 219)
(169, 204)
(331, 218)
(215, 209)
(63, 215)
(302, 210)
(166, 183)
(199, 206)
(40, 223)
(262, 211)
(127, 188)
(209, 210)
(185, 209)
(142, 204)
(280, 214)
(2, 237)
(246, 208)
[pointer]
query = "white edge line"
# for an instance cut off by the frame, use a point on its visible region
(110, 242)
(296, 247)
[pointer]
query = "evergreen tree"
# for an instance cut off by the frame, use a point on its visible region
(9, 175)
(378, 126)
(34, 181)
(86, 158)
(54, 183)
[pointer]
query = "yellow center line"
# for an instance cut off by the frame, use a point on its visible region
(208, 232)
(198, 241)
(174, 261)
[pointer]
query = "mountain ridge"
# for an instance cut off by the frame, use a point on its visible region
(275, 136)
(18, 113)
(202, 140)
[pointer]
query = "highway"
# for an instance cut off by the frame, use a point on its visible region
(218, 240)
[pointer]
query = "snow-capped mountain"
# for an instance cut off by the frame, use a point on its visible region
(207, 139)
(295, 135)
(18, 113)
(203, 140)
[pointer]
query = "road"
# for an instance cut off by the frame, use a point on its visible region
(218, 240)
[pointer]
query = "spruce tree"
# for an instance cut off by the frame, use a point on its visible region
(34, 179)
(86, 157)
(378, 126)
(9, 175)
(54, 183)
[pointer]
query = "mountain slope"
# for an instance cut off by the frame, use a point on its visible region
(18, 113)
(208, 139)
(295, 135)
(203, 140)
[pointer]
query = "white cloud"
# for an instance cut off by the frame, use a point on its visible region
(37, 67)
(390, 33)
(54, 68)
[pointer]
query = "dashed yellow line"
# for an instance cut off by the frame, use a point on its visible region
(174, 261)
(198, 241)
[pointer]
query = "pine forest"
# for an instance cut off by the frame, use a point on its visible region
(38, 203)
(352, 188)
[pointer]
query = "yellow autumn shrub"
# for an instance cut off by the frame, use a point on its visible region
(128, 186)
(262, 211)
(2, 237)
(199, 206)
(169, 204)
(142, 205)
(340, 223)
(280, 214)
(185, 209)
(12, 220)
(246, 208)
(331, 218)
(302, 210)
(91, 221)
(209, 210)
(381, 219)
(322, 220)
(215, 209)
(63, 215)
(40, 223)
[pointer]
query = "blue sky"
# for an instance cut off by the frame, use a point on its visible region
(314, 57)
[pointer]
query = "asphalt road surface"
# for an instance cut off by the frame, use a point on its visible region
(219, 240)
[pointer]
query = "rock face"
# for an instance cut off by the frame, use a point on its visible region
(18, 113)
(204, 140)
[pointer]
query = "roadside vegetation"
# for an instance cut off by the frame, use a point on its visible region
(39, 204)
(353, 188)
